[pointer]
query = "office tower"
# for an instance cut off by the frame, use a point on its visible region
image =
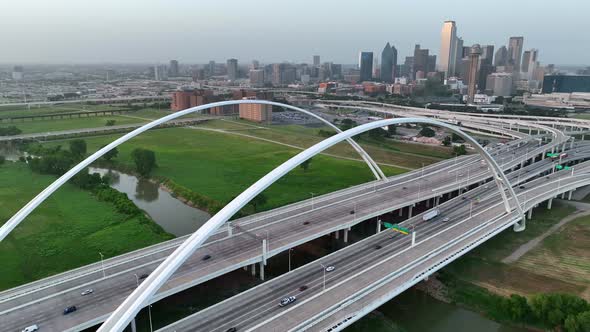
(421, 58)
(448, 45)
(566, 83)
(198, 74)
(473, 70)
(255, 64)
(387, 64)
(515, 52)
(256, 78)
(487, 55)
(366, 66)
(406, 68)
(459, 55)
(316, 60)
(283, 73)
(376, 69)
(431, 64)
(232, 69)
(529, 62)
(526, 57)
(18, 73)
(212, 68)
(395, 69)
(173, 71)
(499, 84)
(501, 57)
(160, 72)
(335, 71)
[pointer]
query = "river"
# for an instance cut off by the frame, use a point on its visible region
(174, 216)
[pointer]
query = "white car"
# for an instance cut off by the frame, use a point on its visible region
(330, 268)
(88, 291)
(287, 301)
(446, 219)
(31, 328)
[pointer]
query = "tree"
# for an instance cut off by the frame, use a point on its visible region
(2, 160)
(447, 141)
(391, 130)
(258, 201)
(78, 148)
(110, 123)
(110, 154)
(145, 161)
(305, 165)
(460, 150)
(346, 124)
(427, 132)
(457, 138)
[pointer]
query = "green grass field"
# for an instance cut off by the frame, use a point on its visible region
(67, 231)
(221, 166)
(41, 126)
(7, 111)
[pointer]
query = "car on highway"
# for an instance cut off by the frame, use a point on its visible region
(231, 329)
(143, 276)
(522, 187)
(31, 328)
(206, 257)
(446, 219)
(306, 222)
(88, 291)
(287, 301)
(351, 211)
(70, 309)
(330, 268)
(378, 246)
(302, 288)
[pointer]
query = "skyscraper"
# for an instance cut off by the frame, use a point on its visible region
(459, 55)
(387, 64)
(316, 60)
(501, 57)
(211, 68)
(173, 71)
(515, 52)
(487, 55)
(473, 67)
(366, 66)
(421, 59)
(448, 55)
(529, 63)
(232, 69)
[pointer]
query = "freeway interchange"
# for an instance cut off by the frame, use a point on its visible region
(386, 271)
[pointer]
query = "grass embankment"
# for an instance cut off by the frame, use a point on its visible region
(43, 126)
(8, 111)
(220, 166)
(67, 231)
(484, 267)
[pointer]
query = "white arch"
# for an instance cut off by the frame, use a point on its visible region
(121, 317)
(27, 209)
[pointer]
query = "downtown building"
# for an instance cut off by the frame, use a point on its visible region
(388, 63)
(366, 66)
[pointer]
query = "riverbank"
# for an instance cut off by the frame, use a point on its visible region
(67, 231)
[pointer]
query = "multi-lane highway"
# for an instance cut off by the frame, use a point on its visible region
(42, 302)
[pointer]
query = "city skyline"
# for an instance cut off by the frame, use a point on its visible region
(46, 35)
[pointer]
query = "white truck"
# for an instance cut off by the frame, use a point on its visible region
(430, 214)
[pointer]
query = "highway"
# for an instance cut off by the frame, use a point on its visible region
(42, 302)
(364, 264)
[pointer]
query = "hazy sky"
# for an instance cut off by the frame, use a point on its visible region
(195, 31)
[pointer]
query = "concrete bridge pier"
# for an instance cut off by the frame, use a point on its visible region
(254, 270)
(549, 202)
(337, 234)
(530, 214)
(261, 271)
(436, 200)
(345, 235)
(378, 226)
(401, 211)
(133, 325)
(428, 203)
(410, 208)
(569, 195)
(563, 195)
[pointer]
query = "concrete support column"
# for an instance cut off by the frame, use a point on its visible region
(563, 195)
(569, 195)
(530, 130)
(378, 226)
(410, 208)
(543, 155)
(530, 214)
(264, 251)
(413, 239)
(549, 202)
(337, 235)
(133, 325)
(254, 270)
(436, 200)
(345, 236)
(401, 212)
(583, 137)
(246, 268)
(262, 271)
(572, 143)
(428, 203)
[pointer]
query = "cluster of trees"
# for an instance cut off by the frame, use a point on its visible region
(145, 161)
(202, 202)
(459, 150)
(426, 131)
(326, 133)
(10, 131)
(110, 123)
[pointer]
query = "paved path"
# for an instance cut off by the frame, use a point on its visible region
(583, 209)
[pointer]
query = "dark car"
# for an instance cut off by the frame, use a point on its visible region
(378, 247)
(143, 276)
(522, 187)
(231, 329)
(302, 288)
(351, 211)
(206, 257)
(306, 222)
(70, 309)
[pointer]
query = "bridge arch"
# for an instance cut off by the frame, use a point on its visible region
(32, 205)
(121, 317)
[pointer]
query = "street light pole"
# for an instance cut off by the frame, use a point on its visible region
(290, 249)
(312, 200)
(136, 279)
(102, 264)
(470, 209)
(150, 314)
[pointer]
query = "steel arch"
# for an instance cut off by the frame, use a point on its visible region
(32, 205)
(121, 317)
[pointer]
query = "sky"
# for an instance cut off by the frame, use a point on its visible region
(196, 31)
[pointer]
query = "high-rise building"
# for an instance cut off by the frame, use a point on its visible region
(366, 66)
(212, 68)
(473, 71)
(421, 58)
(256, 78)
(431, 64)
(515, 45)
(376, 69)
(566, 83)
(459, 55)
(448, 55)
(499, 84)
(255, 64)
(487, 55)
(501, 58)
(283, 73)
(232, 69)
(529, 63)
(160, 72)
(18, 73)
(316, 60)
(173, 70)
(335, 71)
(387, 64)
